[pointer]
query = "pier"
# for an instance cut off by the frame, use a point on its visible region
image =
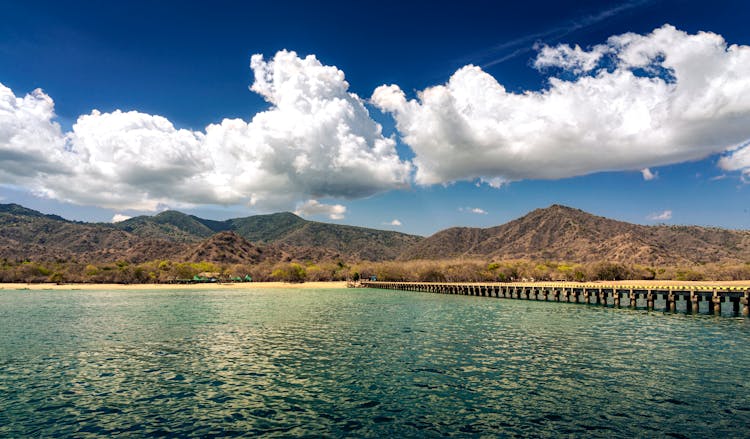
(668, 298)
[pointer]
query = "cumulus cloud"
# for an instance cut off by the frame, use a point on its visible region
(316, 140)
(133, 160)
(661, 216)
(394, 223)
(31, 143)
(648, 175)
(118, 217)
(634, 102)
(314, 207)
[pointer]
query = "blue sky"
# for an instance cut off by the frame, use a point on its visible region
(189, 63)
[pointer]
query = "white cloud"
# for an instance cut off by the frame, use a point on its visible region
(476, 210)
(316, 140)
(313, 207)
(31, 143)
(738, 159)
(648, 175)
(394, 223)
(661, 98)
(661, 216)
(118, 217)
(132, 160)
(569, 58)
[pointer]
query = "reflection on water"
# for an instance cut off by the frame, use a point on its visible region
(362, 363)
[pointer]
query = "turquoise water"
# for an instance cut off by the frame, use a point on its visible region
(362, 363)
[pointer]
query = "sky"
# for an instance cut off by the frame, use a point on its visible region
(410, 117)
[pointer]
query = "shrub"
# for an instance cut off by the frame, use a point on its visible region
(291, 272)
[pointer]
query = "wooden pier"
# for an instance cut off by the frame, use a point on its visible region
(669, 298)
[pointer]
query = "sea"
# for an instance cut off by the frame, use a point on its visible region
(362, 363)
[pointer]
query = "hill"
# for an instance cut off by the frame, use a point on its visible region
(229, 248)
(171, 225)
(283, 228)
(563, 233)
(28, 234)
(554, 233)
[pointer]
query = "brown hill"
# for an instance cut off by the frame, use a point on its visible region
(229, 248)
(285, 229)
(564, 233)
(28, 234)
(554, 233)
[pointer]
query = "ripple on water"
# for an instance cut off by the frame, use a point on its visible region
(365, 363)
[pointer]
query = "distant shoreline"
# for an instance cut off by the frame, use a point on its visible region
(339, 285)
(199, 286)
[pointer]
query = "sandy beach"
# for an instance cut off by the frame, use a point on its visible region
(206, 286)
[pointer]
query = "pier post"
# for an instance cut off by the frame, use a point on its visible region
(746, 304)
(671, 302)
(586, 296)
(616, 298)
(650, 299)
(545, 293)
(716, 299)
(566, 294)
(696, 299)
(633, 299)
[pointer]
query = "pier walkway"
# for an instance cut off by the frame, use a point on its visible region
(672, 298)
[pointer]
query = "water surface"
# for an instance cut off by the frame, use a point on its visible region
(362, 363)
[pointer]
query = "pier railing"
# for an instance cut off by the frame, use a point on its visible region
(665, 297)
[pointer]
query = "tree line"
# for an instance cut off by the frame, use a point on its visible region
(165, 271)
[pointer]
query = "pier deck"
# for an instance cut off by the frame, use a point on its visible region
(671, 298)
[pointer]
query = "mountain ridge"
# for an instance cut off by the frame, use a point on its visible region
(292, 237)
(553, 233)
(564, 233)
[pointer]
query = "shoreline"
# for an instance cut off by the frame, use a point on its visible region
(199, 286)
(343, 284)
